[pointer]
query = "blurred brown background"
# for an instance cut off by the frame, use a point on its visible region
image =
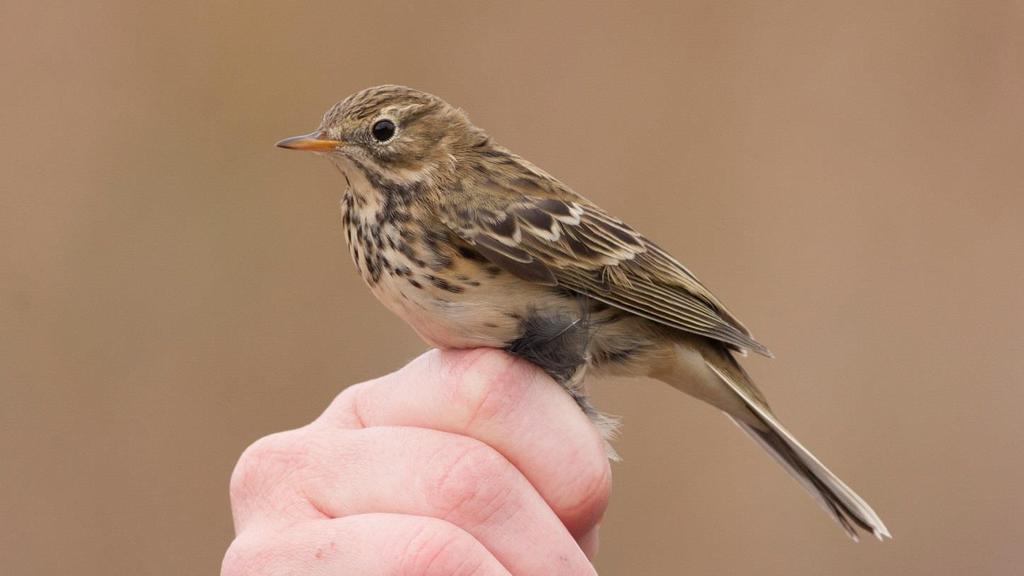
(846, 175)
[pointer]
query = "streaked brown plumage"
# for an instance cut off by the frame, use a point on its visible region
(474, 246)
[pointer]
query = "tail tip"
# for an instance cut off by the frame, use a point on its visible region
(877, 529)
(881, 532)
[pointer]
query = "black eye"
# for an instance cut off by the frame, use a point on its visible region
(383, 130)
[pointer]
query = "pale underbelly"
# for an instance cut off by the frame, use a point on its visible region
(489, 315)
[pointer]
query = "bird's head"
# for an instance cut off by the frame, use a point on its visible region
(393, 130)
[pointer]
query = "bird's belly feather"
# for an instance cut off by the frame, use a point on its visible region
(487, 315)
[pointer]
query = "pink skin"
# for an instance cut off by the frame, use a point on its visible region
(462, 462)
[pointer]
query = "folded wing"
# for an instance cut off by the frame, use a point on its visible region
(542, 232)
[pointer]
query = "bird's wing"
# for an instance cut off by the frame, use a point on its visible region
(556, 237)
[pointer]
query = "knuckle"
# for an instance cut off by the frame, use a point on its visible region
(265, 463)
(469, 481)
(485, 383)
(345, 406)
(441, 549)
(248, 555)
(585, 492)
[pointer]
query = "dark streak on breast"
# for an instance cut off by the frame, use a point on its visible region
(444, 284)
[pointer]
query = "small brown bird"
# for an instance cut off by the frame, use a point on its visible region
(474, 246)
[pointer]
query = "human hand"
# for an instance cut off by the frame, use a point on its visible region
(462, 462)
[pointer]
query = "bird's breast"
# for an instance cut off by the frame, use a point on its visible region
(450, 295)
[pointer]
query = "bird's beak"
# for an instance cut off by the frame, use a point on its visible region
(314, 142)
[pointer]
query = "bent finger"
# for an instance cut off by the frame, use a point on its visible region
(506, 403)
(369, 544)
(404, 470)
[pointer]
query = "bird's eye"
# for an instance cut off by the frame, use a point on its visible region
(383, 130)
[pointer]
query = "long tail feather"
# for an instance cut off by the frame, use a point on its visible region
(838, 499)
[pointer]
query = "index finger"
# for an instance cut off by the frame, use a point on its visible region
(501, 401)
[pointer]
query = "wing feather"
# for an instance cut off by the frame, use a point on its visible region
(537, 229)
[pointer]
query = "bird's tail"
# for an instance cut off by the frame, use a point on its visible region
(746, 406)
